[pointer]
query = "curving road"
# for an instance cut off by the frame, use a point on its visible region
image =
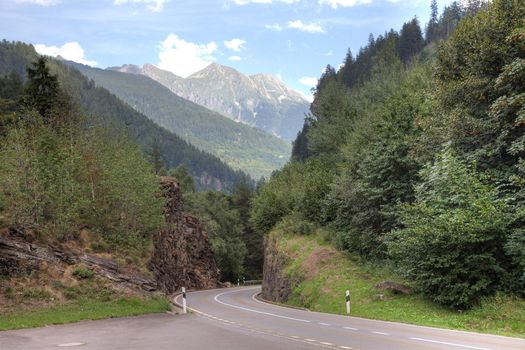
(234, 319)
(238, 309)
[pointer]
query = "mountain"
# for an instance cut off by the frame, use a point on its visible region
(98, 103)
(242, 147)
(259, 100)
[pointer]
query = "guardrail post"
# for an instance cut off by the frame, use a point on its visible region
(347, 302)
(183, 300)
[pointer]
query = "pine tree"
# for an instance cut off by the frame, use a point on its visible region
(410, 41)
(432, 26)
(42, 90)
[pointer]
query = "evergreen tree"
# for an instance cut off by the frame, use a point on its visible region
(300, 144)
(410, 41)
(156, 159)
(42, 89)
(432, 26)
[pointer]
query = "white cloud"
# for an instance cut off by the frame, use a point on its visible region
(246, 2)
(235, 58)
(235, 44)
(183, 57)
(153, 5)
(308, 81)
(308, 96)
(71, 51)
(306, 27)
(275, 27)
(40, 2)
(346, 3)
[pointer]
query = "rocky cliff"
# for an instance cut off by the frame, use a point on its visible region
(276, 283)
(183, 254)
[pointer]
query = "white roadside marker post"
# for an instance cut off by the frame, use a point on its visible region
(183, 300)
(347, 302)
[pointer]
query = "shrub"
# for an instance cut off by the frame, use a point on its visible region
(452, 242)
(82, 272)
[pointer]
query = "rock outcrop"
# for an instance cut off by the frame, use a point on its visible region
(183, 256)
(18, 258)
(276, 284)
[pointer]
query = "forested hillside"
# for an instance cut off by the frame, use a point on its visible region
(242, 147)
(102, 106)
(413, 155)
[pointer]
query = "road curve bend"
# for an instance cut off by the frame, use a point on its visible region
(239, 310)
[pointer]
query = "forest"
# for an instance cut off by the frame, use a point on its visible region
(413, 155)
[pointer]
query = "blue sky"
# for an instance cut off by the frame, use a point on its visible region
(294, 39)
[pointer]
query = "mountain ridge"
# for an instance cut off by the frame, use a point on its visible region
(242, 147)
(259, 100)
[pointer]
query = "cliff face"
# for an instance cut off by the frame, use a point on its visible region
(183, 256)
(276, 283)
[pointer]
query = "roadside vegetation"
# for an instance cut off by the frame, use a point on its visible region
(413, 161)
(323, 274)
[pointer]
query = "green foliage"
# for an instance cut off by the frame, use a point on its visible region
(57, 177)
(35, 293)
(182, 174)
(456, 231)
(241, 201)
(410, 41)
(42, 89)
(225, 230)
(81, 272)
(300, 187)
(101, 107)
(38, 175)
(452, 241)
(378, 170)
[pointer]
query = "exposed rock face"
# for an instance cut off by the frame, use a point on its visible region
(20, 258)
(183, 256)
(276, 284)
(260, 100)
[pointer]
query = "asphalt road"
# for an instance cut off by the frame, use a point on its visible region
(234, 319)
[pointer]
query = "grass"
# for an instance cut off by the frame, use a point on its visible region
(325, 274)
(83, 309)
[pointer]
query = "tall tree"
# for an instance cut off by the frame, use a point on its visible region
(410, 41)
(432, 26)
(42, 89)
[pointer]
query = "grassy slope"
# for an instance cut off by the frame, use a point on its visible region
(82, 310)
(326, 273)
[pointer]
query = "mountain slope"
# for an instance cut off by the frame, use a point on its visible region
(240, 146)
(97, 102)
(258, 100)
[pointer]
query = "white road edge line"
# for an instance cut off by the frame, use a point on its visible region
(216, 298)
(452, 344)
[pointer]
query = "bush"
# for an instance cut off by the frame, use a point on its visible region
(82, 272)
(452, 242)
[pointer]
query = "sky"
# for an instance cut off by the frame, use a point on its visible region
(292, 39)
